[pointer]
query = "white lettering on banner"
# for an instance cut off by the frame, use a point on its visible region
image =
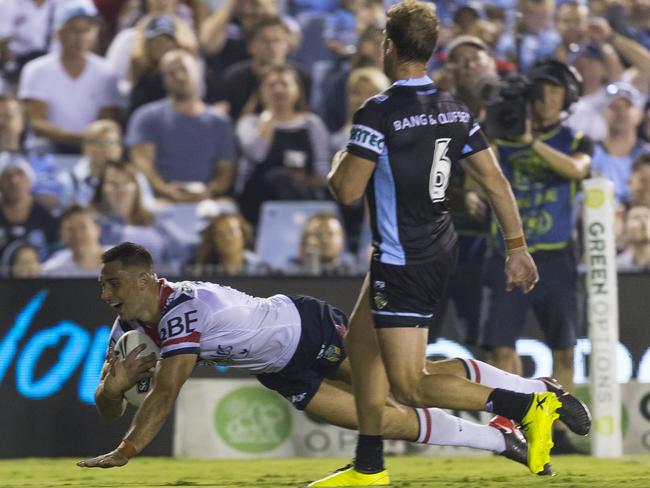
(602, 316)
(367, 138)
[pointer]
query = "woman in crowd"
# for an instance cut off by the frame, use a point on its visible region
(122, 216)
(362, 84)
(226, 248)
(322, 248)
(21, 260)
(285, 148)
(82, 254)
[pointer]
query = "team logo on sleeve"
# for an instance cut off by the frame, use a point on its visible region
(367, 138)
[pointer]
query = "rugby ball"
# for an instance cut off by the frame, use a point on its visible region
(124, 345)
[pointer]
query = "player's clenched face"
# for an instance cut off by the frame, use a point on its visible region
(122, 290)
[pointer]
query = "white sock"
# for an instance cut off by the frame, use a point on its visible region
(483, 373)
(439, 428)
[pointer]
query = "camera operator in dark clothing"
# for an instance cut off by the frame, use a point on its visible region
(544, 161)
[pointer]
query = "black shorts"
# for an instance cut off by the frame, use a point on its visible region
(319, 353)
(555, 300)
(410, 295)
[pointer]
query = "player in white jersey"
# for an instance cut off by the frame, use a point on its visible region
(293, 345)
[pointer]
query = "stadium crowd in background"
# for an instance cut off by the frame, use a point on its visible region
(184, 125)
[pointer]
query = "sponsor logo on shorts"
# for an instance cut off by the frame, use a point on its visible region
(381, 300)
(296, 399)
(379, 285)
(330, 353)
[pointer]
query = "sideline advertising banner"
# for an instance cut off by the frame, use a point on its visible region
(240, 419)
(230, 418)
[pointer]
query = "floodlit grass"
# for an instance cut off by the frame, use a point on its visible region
(412, 472)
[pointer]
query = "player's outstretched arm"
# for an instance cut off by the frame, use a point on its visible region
(151, 415)
(520, 269)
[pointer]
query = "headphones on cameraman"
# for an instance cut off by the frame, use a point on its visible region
(557, 72)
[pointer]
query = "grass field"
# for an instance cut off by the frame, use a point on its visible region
(411, 472)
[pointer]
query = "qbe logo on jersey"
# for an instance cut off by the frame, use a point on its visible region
(252, 419)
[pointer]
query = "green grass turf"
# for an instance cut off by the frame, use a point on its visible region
(412, 472)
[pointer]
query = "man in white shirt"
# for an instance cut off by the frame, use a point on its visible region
(293, 345)
(66, 90)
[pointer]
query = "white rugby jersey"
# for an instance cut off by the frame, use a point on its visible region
(222, 325)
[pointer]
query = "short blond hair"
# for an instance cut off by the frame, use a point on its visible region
(372, 75)
(101, 127)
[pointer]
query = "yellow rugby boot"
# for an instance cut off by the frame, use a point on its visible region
(537, 429)
(349, 476)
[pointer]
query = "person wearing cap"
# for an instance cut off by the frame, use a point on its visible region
(160, 38)
(130, 43)
(615, 154)
(469, 60)
(544, 166)
(22, 218)
(66, 90)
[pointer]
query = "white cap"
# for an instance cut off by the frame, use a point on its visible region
(71, 9)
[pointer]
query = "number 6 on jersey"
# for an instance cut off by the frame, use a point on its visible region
(440, 169)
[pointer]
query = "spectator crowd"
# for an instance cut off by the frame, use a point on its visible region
(187, 125)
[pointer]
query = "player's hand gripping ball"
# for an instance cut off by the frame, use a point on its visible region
(124, 345)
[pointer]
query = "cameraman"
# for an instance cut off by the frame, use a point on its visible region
(544, 166)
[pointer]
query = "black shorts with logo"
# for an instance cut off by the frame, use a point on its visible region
(410, 295)
(318, 355)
